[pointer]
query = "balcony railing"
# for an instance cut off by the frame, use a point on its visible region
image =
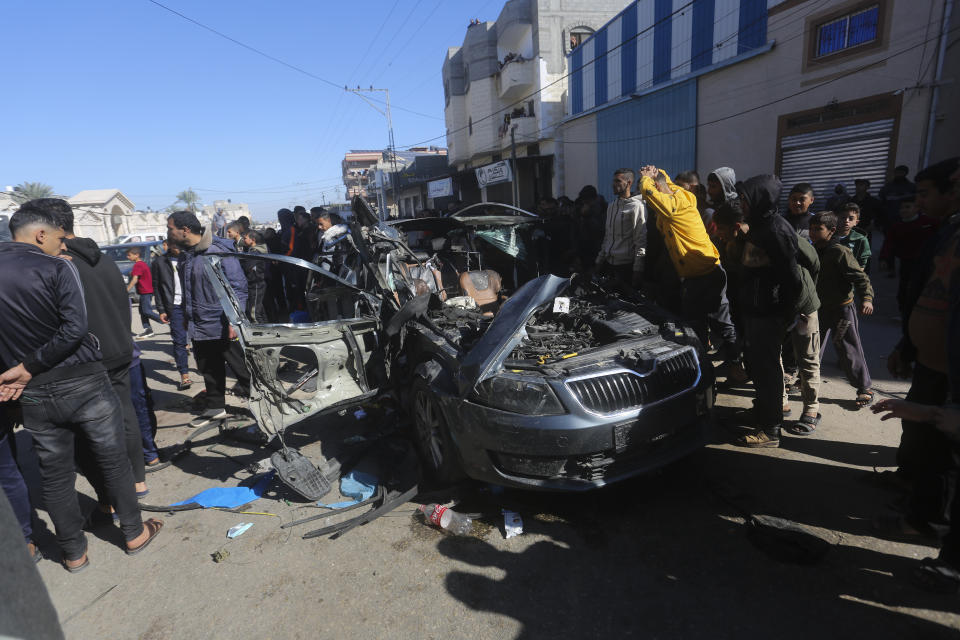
(516, 78)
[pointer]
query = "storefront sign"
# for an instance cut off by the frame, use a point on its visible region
(440, 188)
(494, 173)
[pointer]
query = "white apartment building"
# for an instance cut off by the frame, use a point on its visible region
(509, 76)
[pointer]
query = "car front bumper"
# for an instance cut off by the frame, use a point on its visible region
(577, 451)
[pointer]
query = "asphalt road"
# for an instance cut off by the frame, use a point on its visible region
(663, 556)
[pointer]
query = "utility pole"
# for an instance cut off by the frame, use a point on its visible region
(391, 148)
(513, 161)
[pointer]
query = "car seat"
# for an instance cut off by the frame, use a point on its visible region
(484, 287)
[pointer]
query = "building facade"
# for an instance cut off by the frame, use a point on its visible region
(504, 89)
(819, 91)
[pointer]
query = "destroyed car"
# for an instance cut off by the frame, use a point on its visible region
(558, 383)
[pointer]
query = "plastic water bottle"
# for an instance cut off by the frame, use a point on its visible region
(446, 518)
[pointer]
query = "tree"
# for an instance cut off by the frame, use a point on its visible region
(31, 190)
(189, 198)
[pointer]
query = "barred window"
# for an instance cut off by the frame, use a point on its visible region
(848, 31)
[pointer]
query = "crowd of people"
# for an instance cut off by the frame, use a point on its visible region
(771, 290)
(767, 290)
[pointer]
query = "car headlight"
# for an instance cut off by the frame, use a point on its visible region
(519, 394)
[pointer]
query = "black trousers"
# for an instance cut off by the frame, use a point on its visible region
(131, 438)
(212, 357)
(256, 293)
(762, 352)
(58, 415)
(926, 455)
(703, 303)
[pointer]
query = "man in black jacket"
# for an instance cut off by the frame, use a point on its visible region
(108, 317)
(769, 289)
(54, 366)
(169, 301)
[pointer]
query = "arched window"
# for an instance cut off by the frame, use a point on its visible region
(577, 36)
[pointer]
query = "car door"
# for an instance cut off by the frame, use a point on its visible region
(302, 369)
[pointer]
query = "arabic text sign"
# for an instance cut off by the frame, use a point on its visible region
(494, 173)
(440, 188)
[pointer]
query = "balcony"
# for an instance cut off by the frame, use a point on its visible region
(516, 79)
(527, 132)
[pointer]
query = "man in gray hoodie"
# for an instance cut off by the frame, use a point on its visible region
(624, 245)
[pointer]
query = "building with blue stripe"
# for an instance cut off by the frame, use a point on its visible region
(759, 85)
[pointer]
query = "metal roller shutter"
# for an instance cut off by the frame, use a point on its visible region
(836, 156)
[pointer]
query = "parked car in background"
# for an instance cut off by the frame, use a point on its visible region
(119, 254)
(133, 238)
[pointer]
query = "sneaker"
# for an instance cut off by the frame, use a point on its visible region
(212, 415)
(146, 334)
(761, 439)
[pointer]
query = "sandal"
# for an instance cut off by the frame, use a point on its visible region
(787, 410)
(864, 397)
(805, 426)
(152, 527)
(937, 576)
(183, 385)
(79, 567)
(34, 552)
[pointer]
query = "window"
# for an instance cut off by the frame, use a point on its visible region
(848, 31)
(578, 35)
(470, 126)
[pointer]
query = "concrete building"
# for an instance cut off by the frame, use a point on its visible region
(105, 214)
(370, 174)
(510, 76)
(813, 90)
(356, 166)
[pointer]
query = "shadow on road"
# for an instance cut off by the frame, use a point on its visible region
(668, 556)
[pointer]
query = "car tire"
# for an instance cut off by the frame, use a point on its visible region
(441, 461)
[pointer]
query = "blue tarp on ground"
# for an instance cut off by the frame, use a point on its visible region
(230, 497)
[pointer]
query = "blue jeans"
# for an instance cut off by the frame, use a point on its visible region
(146, 311)
(178, 333)
(143, 405)
(57, 414)
(12, 482)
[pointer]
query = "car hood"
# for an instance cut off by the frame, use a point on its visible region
(506, 331)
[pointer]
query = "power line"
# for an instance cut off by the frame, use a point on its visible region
(681, 9)
(266, 55)
(771, 102)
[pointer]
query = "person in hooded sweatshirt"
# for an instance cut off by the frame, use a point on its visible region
(770, 288)
(214, 339)
(721, 188)
(108, 315)
(624, 245)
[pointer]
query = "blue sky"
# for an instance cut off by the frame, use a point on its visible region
(124, 94)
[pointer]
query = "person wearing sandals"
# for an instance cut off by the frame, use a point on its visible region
(841, 275)
(53, 365)
(804, 338)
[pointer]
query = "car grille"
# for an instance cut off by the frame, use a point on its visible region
(624, 390)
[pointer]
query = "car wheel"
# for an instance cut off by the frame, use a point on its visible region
(432, 435)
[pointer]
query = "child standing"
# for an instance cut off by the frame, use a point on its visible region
(849, 236)
(840, 275)
(141, 278)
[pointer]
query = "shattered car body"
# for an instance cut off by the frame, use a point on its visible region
(567, 385)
